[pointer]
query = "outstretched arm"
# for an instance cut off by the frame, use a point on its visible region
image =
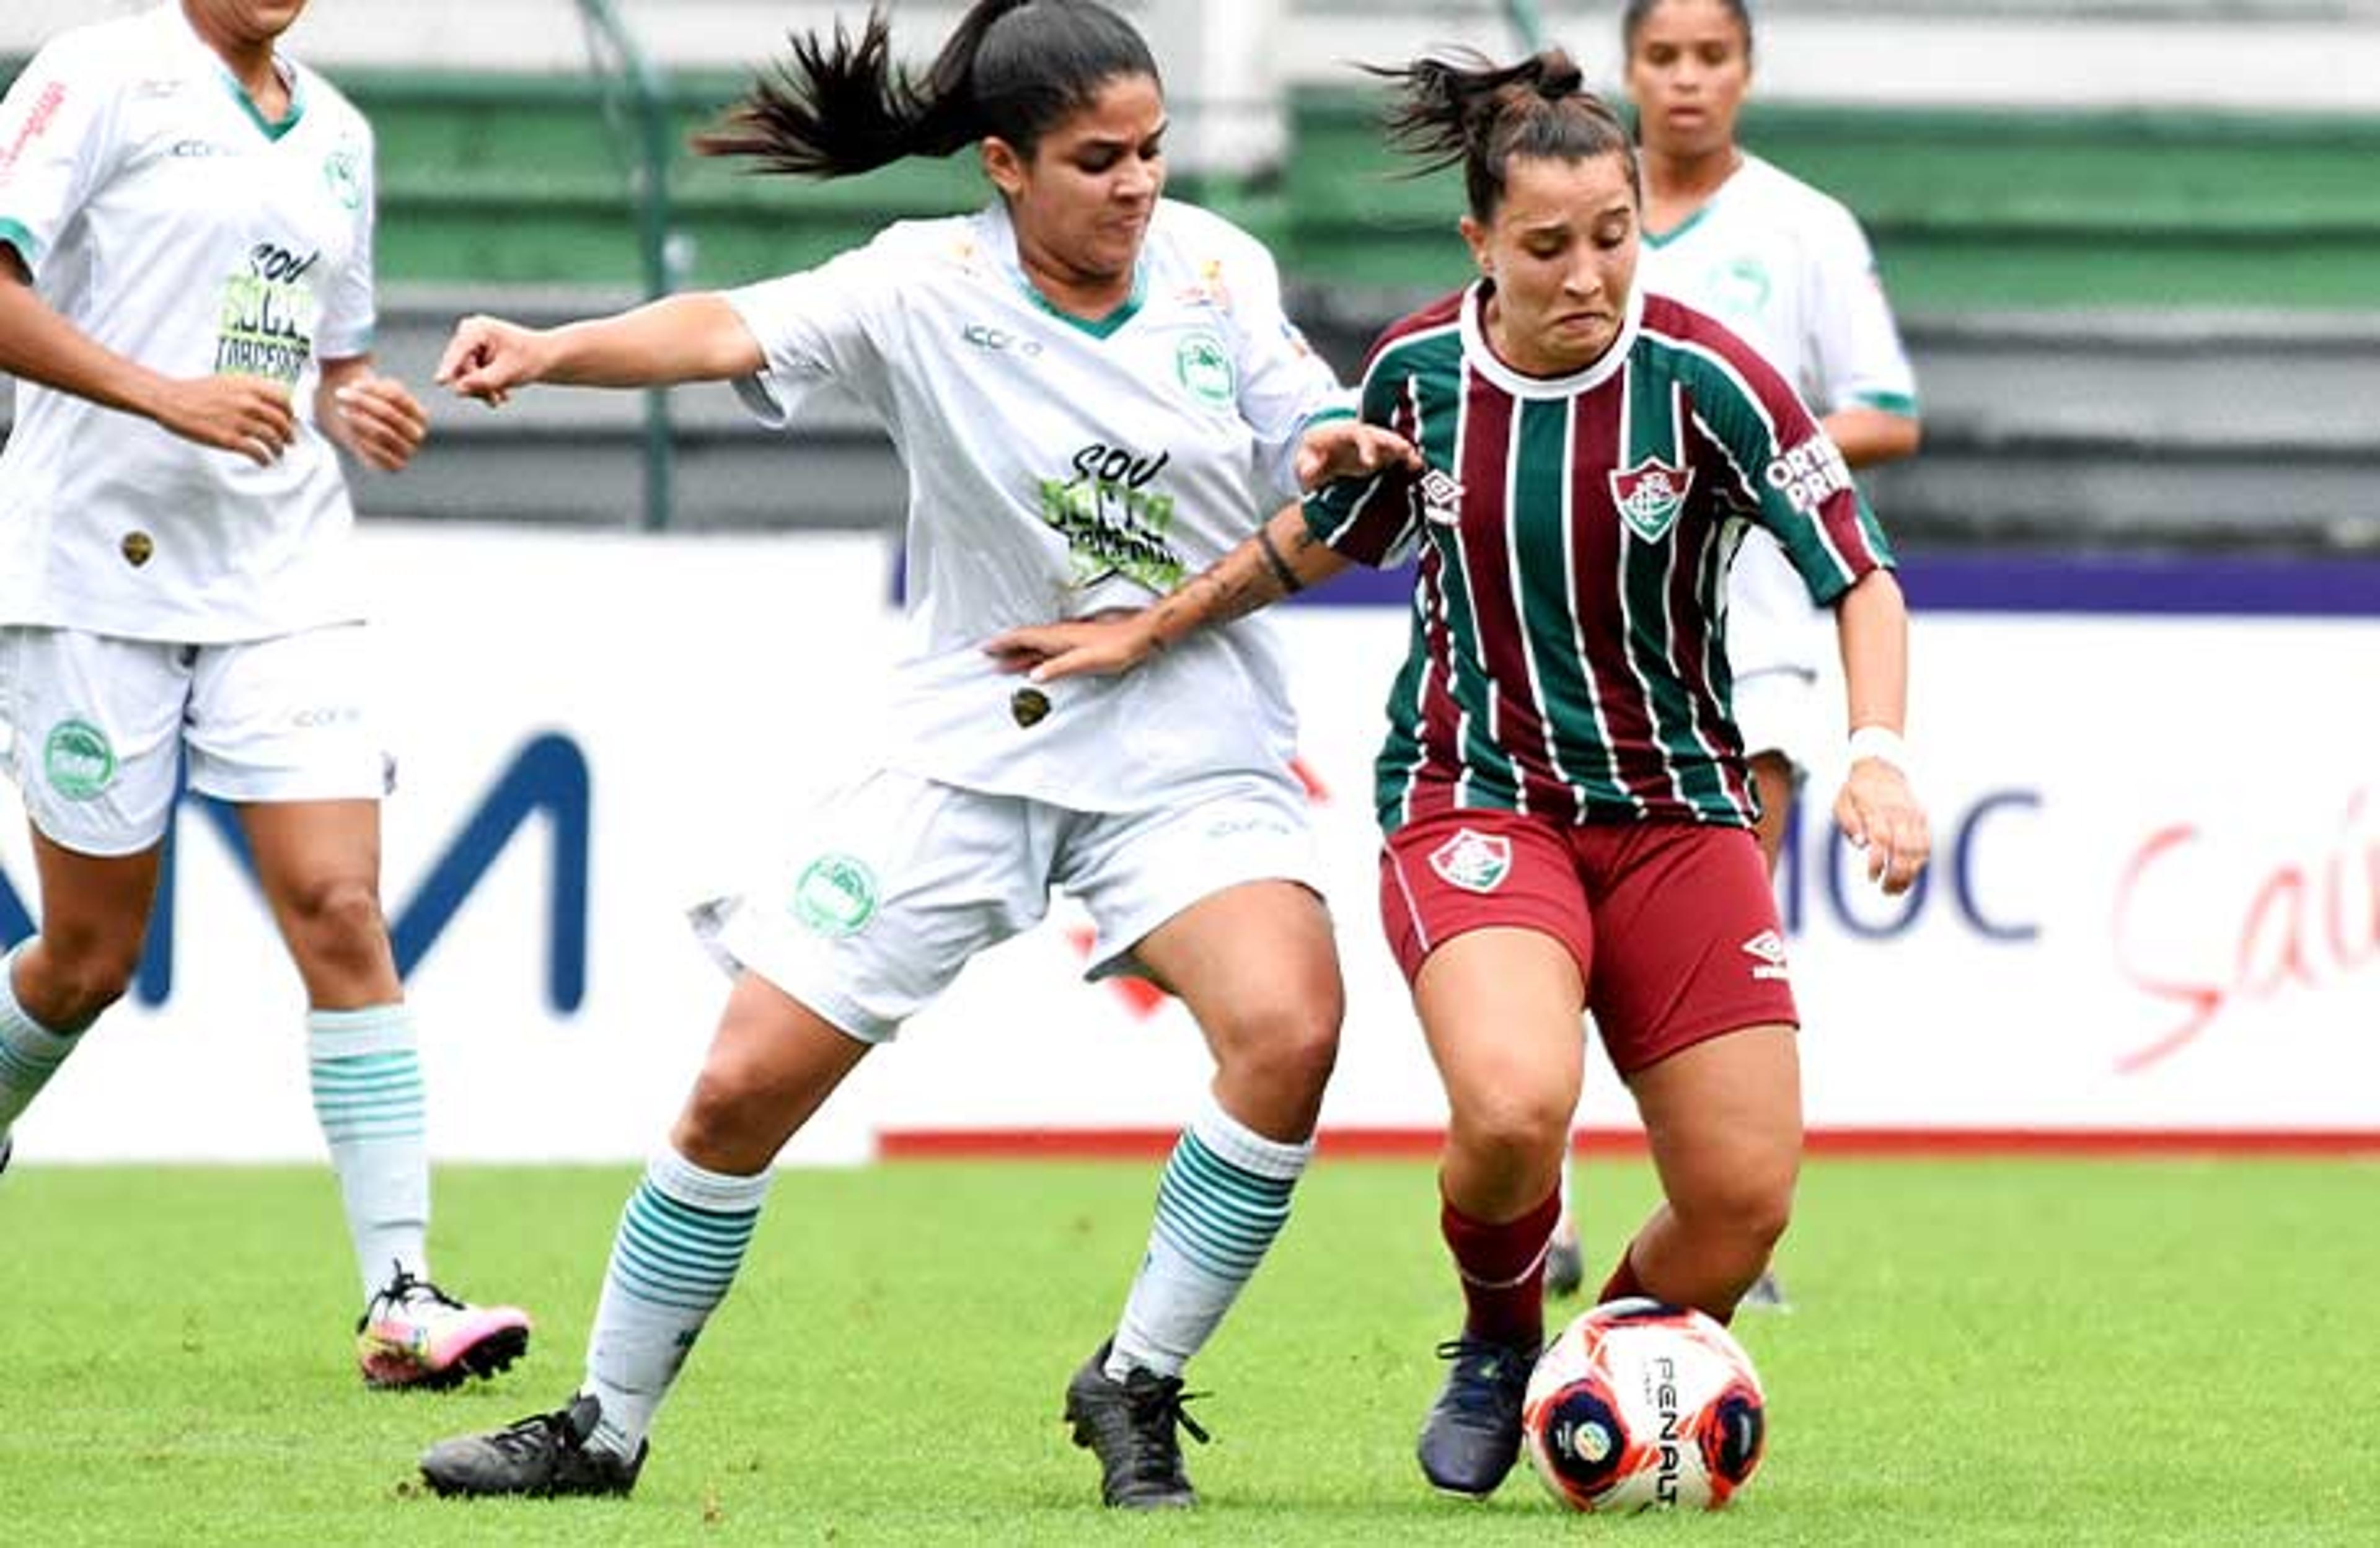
(682, 338)
(1285, 556)
(1876, 809)
(242, 414)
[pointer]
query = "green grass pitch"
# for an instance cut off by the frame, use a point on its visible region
(1983, 1351)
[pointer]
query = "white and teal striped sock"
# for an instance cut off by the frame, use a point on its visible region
(365, 1068)
(29, 1052)
(1224, 1197)
(681, 1240)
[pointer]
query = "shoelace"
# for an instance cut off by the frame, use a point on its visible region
(1497, 1374)
(532, 1437)
(1157, 1409)
(405, 1289)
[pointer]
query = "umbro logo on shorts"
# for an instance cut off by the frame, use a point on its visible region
(1767, 951)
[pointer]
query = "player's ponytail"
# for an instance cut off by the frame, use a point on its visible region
(838, 106)
(1461, 109)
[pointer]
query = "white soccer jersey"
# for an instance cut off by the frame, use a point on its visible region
(165, 218)
(1788, 268)
(1058, 468)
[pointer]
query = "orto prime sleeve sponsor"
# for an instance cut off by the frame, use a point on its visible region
(1374, 521)
(57, 148)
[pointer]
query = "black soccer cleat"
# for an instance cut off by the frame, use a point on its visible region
(7, 1150)
(1766, 1294)
(1565, 1269)
(1471, 1435)
(540, 1457)
(1130, 1425)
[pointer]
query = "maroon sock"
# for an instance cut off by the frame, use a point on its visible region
(1503, 1272)
(1624, 1283)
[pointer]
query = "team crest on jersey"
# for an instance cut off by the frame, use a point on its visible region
(836, 896)
(1441, 498)
(1650, 495)
(1204, 368)
(1475, 862)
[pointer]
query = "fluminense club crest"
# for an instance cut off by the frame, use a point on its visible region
(1650, 495)
(1475, 862)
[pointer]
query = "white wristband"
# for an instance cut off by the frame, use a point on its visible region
(1881, 742)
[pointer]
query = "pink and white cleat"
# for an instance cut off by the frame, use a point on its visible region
(415, 1334)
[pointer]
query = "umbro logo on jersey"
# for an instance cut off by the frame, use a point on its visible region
(1000, 341)
(1767, 951)
(1441, 498)
(1649, 496)
(1472, 860)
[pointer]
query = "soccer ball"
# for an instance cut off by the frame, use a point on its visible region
(1641, 1405)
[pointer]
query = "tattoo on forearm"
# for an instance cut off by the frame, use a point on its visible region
(1289, 584)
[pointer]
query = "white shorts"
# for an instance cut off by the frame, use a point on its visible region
(1776, 637)
(99, 725)
(908, 879)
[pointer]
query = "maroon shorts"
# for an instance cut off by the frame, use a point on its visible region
(1673, 925)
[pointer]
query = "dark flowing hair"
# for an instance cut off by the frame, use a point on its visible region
(838, 106)
(1633, 19)
(1461, 109)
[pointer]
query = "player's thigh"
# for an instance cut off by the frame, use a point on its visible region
(95, 738)
(895, 883)
(1724, 1121)
(1254, 961)
(1500, 1009)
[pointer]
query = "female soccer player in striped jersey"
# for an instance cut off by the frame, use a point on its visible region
(186, 292)
(1788, 269)
(1096, 393)
(1564, 794)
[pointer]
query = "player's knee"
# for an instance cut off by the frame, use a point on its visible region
(82, 974)
(1288, 1045)
(338, 921)
(1513, 1132)
(726, 1119)
(1748, 1212)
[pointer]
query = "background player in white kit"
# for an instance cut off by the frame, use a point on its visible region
(185, 293)
(1787, 268)
(1095, 394)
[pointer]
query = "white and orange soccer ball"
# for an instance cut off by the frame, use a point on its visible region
(1641, 1405)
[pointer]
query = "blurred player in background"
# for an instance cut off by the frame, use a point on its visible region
(1096, 393)
(186, 292)
(1789, 271)
(1566, 803)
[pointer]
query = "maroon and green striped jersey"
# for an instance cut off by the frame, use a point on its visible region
(1569, 624)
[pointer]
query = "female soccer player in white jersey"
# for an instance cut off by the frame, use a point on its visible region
(1788, 268)
(1564, 794)
(1096, 393)
(185, 293)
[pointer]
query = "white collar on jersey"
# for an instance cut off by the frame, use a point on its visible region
(1487, 363)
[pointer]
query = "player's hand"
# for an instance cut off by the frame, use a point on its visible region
(1879, 814)
(1350, 449)
(488, 358)
(244, 414)
(1108, 646)
(377, 419)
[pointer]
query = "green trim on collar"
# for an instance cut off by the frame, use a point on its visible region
(1098, 328)
(270, 131)
(1664, 238)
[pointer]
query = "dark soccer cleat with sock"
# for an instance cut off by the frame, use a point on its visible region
(1130, 1425)
(1472, 1434)
(540, 1457)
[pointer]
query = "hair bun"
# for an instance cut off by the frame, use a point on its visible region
(1558, 75)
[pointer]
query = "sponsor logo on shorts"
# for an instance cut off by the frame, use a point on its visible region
(1475, 862)
(78, 760)
(836, 896)
(1767, 951)
(1204, 368)
(1441, 498)
(1649, 496)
